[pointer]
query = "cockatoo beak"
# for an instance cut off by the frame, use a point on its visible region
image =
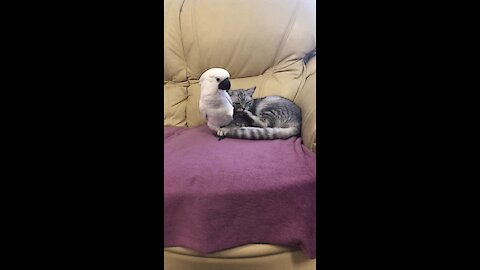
(224, 85)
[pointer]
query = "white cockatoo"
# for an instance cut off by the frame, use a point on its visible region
(215, 103)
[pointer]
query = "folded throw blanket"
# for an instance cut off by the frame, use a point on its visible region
(229, 193)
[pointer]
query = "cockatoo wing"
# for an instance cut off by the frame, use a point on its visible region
(203, 112)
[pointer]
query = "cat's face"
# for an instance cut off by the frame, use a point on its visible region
(242, 99)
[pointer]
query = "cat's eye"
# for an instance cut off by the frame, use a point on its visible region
(218, 79)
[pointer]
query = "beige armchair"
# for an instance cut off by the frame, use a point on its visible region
(262, 43)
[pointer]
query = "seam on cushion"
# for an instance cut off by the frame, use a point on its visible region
(314, 142)
(165, 33)
(195, 33)
(181, 39)
(305, 82)
(170, 110)
(302, 82)
(184, 99)
(184, 58)
(165, 109)
(286, 34)
(309, 72)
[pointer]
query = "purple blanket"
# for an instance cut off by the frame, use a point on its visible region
(228, 193)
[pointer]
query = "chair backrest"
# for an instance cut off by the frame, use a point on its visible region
(261, 43)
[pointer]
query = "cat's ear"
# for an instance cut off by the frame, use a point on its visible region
(250, 91)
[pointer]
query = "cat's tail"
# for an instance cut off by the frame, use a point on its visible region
(257, 133)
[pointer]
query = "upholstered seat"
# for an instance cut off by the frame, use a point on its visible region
(255, 256)
(269, 44)
(246, 251)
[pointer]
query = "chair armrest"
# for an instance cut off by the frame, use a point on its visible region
(306, 100)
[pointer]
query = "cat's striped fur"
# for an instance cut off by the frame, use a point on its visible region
(271, 117)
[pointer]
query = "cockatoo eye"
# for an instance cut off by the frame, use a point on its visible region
(218, 79)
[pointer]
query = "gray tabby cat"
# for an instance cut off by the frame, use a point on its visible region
(268, 118)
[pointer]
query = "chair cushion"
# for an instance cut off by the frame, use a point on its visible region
(175, 104)
(224, 194)
(246, 251)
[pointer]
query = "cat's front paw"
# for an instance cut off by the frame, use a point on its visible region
(247, 112)
(222, 132)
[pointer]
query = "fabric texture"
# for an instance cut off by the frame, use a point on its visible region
(228, 193)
